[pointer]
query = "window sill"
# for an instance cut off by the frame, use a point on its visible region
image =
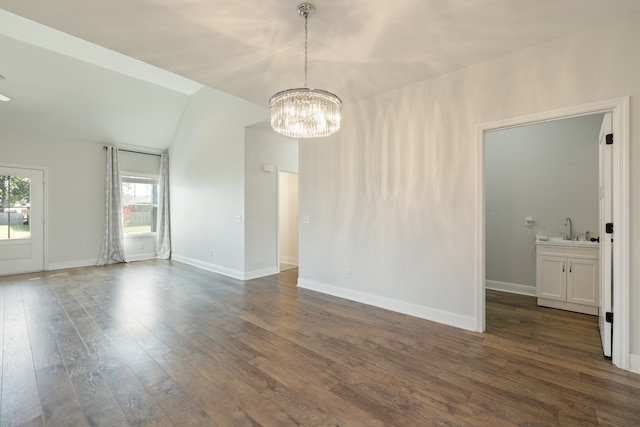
(139, 235)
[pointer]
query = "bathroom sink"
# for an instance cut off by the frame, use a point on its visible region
(559, 240)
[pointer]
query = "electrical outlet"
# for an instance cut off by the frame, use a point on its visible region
(347, 273)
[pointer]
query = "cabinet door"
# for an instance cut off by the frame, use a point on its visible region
(551, 277)
(582, 281)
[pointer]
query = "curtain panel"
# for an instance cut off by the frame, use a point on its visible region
(112, 250)
(163, 234)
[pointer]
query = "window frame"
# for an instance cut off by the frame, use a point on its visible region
(141, 178)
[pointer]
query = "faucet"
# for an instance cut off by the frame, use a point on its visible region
(570, 236)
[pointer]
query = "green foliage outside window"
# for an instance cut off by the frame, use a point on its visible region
(14, 191)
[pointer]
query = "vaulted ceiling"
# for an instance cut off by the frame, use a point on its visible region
(252, 49)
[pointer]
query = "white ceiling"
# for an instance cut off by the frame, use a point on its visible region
(255, 48)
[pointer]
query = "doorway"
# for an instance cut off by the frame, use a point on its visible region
(620, 158)
(287, 220)
(21, 220)
(536, 176)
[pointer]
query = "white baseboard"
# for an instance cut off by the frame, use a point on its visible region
(236, 274)
(71, 264)
(434, 315)
(248, 275)
(288, 260)
(513, 288)
(51, 266)
(140, 257)
(563, 305)
(634, 363)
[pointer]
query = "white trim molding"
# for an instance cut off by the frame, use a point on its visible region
(621, 208)
(236, 274)
(269, 271)
(140, 257)
(415, 310)
(71, 264)
(288, 260)
(512, 288)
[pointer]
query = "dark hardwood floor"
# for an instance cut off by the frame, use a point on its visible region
(159, 343)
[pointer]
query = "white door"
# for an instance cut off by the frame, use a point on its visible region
(606, 247)
(21, 220)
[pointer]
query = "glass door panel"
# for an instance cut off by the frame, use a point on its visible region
(15, 207)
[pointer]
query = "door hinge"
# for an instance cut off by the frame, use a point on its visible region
(609, 139)
(608, 317)
(608, 228)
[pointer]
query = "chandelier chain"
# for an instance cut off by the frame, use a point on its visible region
(306, 47)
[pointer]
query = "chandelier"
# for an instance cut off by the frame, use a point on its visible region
(305, 112)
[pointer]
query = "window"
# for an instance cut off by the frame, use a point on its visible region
(15, 207)
(139, 204)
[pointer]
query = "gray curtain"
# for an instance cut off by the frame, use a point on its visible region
(113, 241)
(163, 235)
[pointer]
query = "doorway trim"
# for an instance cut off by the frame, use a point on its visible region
(619, 107)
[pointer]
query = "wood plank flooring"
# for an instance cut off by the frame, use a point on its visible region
(159, 343)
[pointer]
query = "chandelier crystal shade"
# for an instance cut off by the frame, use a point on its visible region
(305, 112)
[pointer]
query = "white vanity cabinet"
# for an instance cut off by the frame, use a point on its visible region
(567, 275)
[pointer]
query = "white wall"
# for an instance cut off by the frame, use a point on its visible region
(76, 108)
(207, 181)
(288, 221)
(392, 195)
(264, 146)
(548, 171)
(75, 186)
(75, 189)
